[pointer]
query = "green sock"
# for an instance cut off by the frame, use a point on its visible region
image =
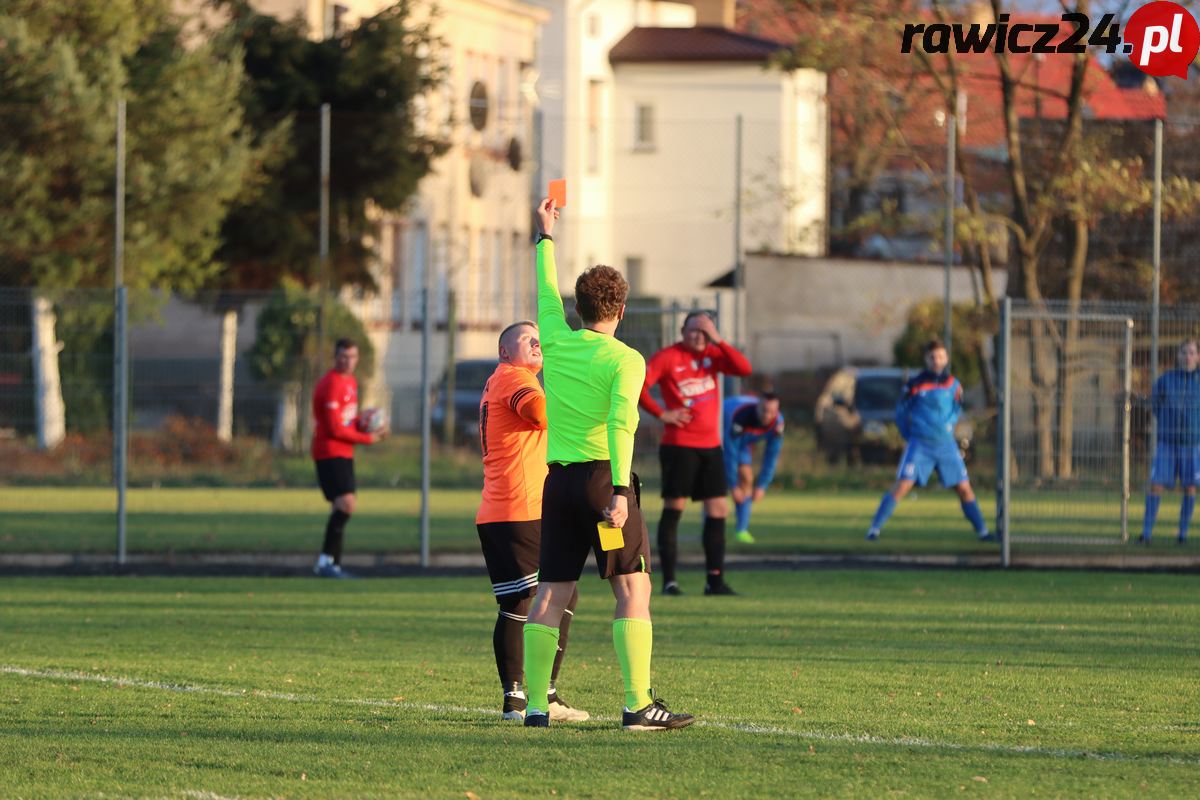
(541, 645)
(633, 640)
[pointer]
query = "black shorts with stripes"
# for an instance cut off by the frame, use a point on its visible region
(574, 496)
(510, 550)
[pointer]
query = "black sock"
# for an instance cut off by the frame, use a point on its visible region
(563, 627)
(714, 549)
(508, 640)
(335, 532)
(668, 543)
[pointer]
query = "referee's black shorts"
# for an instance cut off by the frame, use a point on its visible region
(572, 501)
(695, 472)
(510, 550)
(336, 477)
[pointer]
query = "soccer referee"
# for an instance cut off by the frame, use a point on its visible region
(592, 387)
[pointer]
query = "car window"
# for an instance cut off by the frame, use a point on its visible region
(877, 393)
(472, 374)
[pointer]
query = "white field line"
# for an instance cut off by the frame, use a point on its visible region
(767, 730)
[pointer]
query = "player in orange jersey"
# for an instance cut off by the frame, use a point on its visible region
(512, 437)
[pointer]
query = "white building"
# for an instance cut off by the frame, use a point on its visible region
(638, 102)
(677, 194)
(575, 110)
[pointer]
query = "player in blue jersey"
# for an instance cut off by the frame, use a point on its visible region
(926, 415)
(1176, 404)
(748, 421)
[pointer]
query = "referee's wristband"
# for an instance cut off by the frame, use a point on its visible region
(622, 491)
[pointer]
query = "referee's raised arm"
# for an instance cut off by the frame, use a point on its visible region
(552, 321)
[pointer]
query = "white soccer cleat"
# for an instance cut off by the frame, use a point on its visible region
(561, 712)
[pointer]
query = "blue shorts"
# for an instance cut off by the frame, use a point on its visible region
(919, 460)
(742, 456)
(1176, 462)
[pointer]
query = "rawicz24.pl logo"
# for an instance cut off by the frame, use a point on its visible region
(1161, 38)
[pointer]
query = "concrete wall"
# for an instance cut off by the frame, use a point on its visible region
(803, 313)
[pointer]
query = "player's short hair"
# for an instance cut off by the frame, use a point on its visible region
(504, 333)
(768, 396)
(599, 293)
(1193, 342)
(760, 383)
(931, 345)
(693, 314)
(343, 344)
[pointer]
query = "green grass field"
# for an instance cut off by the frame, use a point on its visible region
(817, 683)
(292, 520)
(280, 520)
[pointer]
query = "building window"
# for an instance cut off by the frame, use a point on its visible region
(520, 258)
(498, 284)
(643, 127)
(595, 112)
(478, 106)
(338, 19)
(416, 271)
(634, 274)
(593, 25)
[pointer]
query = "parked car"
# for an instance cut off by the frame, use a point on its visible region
(855, 415)
(470, 376)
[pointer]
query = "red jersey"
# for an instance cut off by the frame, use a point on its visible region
(335, 408)
(688, 379)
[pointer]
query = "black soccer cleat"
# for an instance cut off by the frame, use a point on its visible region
(514, 705)
(671, 589)
(654, 717)
(721, 588)
(537, 719)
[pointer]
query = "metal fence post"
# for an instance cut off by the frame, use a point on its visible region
(1004, 465)
(120, 342)
(426, 414)
(1126, 429)
(1156, 261)
(121, 414)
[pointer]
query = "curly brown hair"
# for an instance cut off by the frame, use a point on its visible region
(599, 294)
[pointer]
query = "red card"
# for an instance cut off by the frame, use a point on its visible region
(558, 193)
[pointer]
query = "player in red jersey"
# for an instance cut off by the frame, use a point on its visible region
(335, 409)
(690, 453)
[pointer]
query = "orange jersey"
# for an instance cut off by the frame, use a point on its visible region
(513, 445)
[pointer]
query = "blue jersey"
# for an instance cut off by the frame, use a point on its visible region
(743, 429)
(1177, 407)
(929, 408)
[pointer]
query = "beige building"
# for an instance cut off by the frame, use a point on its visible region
(805, 313)
(323, 18)
(467, 231)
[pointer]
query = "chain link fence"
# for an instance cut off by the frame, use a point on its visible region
(220, 388)
(1077, 435)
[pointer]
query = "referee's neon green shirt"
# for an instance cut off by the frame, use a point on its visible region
(592, 383)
